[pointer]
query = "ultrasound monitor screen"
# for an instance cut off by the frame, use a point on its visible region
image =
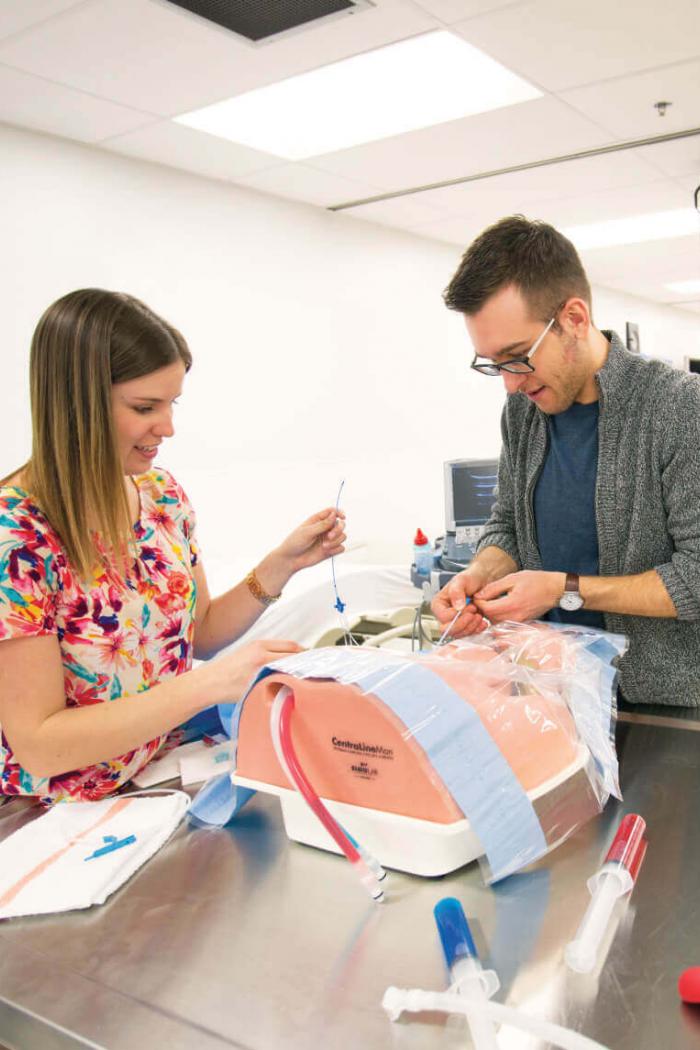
(473, 491)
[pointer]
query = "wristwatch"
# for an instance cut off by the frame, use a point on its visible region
(571, 599)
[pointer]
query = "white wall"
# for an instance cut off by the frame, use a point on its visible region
(322, 348)
(665, 332)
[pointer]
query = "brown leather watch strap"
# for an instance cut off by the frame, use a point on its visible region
(572, 582)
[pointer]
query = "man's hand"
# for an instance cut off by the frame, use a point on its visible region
(453, 597)
(520, 596)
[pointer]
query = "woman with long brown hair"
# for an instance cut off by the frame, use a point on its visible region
(103, 596)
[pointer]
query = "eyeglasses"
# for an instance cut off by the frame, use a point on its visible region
(517, 365)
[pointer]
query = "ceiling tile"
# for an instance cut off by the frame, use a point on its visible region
(402, 212)
(31, 102)
(451, 11)
(625, 106)
(689, 183)
(639, 269)
(154, 56)
(487, 141)
(681, 157)
(384, 23)
(303, 183)
(643, 269)
(16, 15)
(562, 45)
(181, 147)
(108, 71)
(456, 229)
(663, 195)
(521, 190)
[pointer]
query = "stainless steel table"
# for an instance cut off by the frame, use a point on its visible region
(238, 938)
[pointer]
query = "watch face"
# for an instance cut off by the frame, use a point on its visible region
(571, 601)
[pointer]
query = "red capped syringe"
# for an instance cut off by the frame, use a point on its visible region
(615, 879)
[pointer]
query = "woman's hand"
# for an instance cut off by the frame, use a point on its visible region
(319, 537)
(235, 671)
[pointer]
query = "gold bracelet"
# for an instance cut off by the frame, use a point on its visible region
(253, 584)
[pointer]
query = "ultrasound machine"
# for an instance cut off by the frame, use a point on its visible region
(470, 492)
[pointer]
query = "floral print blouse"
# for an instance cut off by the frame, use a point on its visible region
(114, 643)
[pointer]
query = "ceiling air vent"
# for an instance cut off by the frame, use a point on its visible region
(258, 21)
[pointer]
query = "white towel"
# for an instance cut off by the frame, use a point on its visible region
(44, 866)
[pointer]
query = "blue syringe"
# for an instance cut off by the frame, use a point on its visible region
(467, 976)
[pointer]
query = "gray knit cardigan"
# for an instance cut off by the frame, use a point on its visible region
(647, 505)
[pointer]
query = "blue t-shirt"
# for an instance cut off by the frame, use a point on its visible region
(565, 503)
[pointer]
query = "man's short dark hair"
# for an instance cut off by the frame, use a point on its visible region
(531, 255)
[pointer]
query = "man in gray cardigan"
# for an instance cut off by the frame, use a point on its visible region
(597, 516)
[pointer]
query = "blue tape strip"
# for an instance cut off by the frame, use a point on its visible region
(470, 765)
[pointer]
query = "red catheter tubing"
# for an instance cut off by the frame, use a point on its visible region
(305, 789)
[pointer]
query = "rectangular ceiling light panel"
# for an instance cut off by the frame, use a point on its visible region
(655, 226)
(426, 80)
(258, 21)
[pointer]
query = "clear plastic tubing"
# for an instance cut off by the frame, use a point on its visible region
(467, 977)
(368, 873)
(414, 1000)
(616, 878)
